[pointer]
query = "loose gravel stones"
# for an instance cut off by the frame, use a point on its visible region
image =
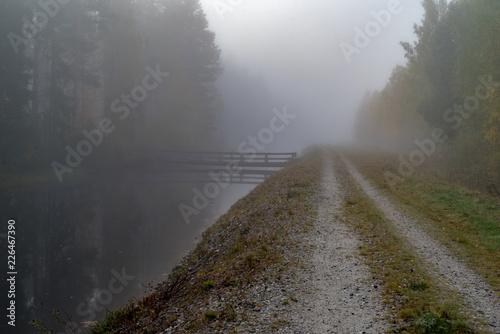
(445, 267)
(336, 292)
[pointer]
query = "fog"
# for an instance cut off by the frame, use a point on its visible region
(118, 120)
(293, 47)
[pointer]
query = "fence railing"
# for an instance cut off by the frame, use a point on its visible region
(217, 158)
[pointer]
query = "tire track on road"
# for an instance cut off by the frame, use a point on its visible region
(341, 298)
(478, 294)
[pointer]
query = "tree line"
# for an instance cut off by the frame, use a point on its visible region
(449, 84)
(146, 66)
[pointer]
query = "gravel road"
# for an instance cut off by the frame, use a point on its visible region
(445, 267)
(337, 293)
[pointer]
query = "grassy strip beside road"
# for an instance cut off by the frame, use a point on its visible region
(466, 221)
(418, 303)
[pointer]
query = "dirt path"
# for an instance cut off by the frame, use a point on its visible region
(444, 266)
(340, 296)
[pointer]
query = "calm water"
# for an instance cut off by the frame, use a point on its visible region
(89, 247)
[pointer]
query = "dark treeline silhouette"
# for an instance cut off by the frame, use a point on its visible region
(449, 85)
(90, 81)
(68, 65)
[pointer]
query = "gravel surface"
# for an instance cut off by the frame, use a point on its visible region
(445, 267)
(319, 284)
(336, 293)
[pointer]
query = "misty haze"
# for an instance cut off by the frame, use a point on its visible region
(250, 166)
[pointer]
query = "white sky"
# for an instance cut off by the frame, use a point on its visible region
(295, 45)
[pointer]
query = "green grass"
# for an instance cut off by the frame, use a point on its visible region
(413, 295)
(470, 212)
(113, 320)
(466, 221)
(208, 285)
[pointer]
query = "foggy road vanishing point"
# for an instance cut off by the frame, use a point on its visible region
(318, 249)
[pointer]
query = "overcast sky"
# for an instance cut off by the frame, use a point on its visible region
(295, 46)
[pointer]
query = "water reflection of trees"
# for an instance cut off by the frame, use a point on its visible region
(71, 238)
